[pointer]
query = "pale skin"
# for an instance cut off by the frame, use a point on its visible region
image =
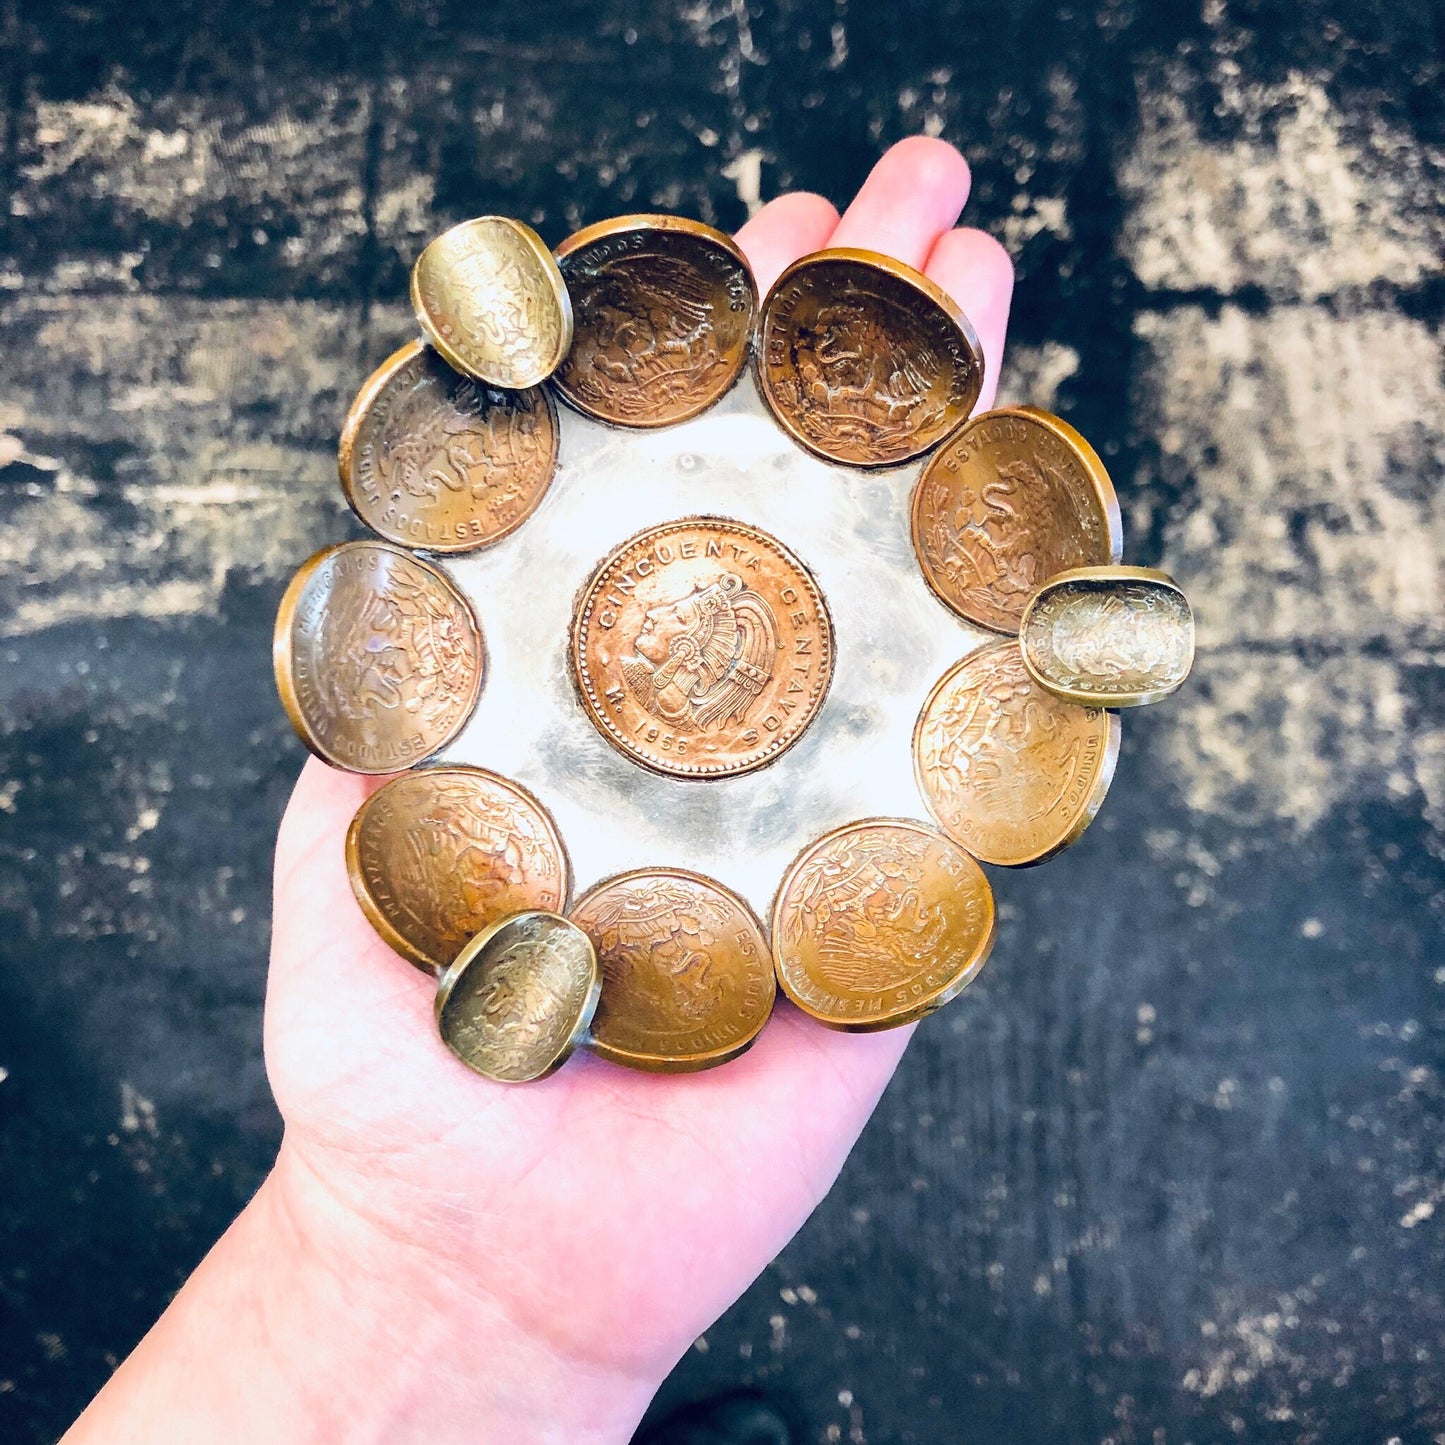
(437, 1258)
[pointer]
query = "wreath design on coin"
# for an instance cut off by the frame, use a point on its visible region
(701, 647)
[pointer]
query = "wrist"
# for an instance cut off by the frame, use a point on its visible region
(311, 1322)
(410, 1342)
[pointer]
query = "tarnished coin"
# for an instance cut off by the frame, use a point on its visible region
(702, 648)
(430, 458)
(519, 997)
(1010, 771)
(687, 977)
(879, 923)
(1109, 636)
(864, 360)
(378, 657)
(437, 855)
(490, 298)
(663, 315)
(1012, 498)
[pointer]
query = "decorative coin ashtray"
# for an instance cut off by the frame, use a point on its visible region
(726, 672)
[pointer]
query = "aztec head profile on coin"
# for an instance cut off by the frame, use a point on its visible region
(702, 648)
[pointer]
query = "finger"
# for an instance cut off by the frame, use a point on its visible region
(783, 230)
(977, 272)
(914, 194)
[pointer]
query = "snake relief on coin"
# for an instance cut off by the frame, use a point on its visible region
(1109, 636)
(1014, 497)
(1010, 771)
(490, 298)
(663, 316)
(430, 458)
(702, 648)
(865, 361)
(378, 657)
(437, 855)
(518, 998)
(879, 923)
(687, 978)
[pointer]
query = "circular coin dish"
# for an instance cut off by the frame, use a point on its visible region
(711, 647)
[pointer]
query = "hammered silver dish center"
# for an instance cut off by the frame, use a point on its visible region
(893, 638)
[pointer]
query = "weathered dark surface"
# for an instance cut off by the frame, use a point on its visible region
(1175, 1169)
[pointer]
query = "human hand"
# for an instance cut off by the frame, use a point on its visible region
(608, 1216)
(525, 1263)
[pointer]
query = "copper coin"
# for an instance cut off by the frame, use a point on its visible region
(518, 998)
(1109, 636)
(879, 923)
(1010, 771)
(431, 459)
(1012, 498)
(437, 855)
(687, 977)
(702, 648)
(864, 360)
(663, 315)
(490, 298)
(378, 657)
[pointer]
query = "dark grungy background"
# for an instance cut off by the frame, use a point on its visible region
(1175, 1169)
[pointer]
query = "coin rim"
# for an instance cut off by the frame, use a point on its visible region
(584, 594)
(914, 1011)
(901, 271)
(1102, 486)
(452, 975)
(390, 934)
(1082, 695)
(545, 260)
(679, 1063)
(282, 652)
(1091, 805)
(675, 225)
(356, 415)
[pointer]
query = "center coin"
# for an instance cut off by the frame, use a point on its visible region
(702, 648)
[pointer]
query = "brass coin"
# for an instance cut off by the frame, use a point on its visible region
(1010, 771)
(1109, 636)
(431, 459)
(702, 648)
(518, 998)
(490, 298)
(879, 923)
(864, 360)
(437, 855)
(378, 657)
(1009, 500)
(663, 315)
(687, 977)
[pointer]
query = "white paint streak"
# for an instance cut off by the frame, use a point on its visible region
(1303, 440)
(170, 162)
(746, 173)
(198, 492)
(1301, 203)
(137, 1113)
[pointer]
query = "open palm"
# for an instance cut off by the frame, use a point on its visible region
(608, 1216)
